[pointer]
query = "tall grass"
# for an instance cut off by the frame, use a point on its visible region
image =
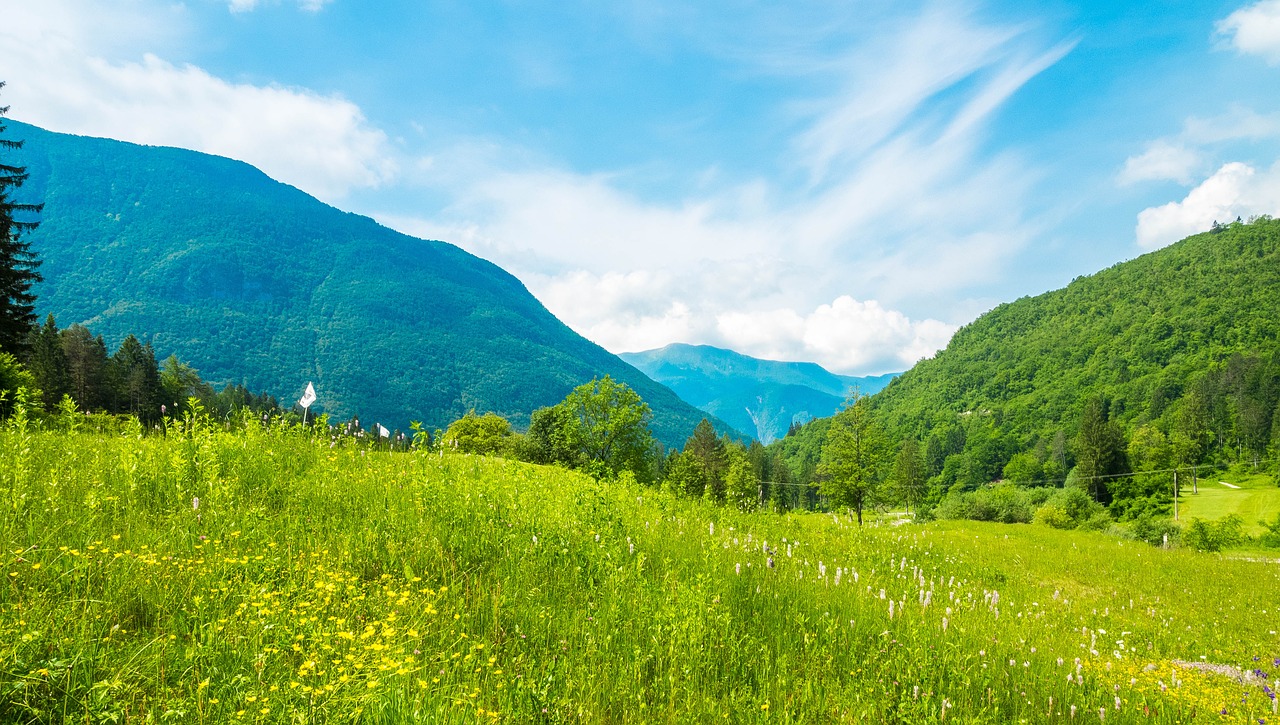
(261, 576)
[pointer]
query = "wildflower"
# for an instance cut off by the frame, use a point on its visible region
(737, 568)
(771, 562)
(195, 503)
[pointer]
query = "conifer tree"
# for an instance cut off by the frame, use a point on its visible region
(86, 358)
(48, 363)
(17, 262)
(138, 379)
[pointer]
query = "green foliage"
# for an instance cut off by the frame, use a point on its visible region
(686, 475)
(1178, 345)
(18, 262)
(1100, 451)
(48, 363)
(259, 285)
(1156, 530)
(854, 458)
(742, 484)
(487, 435)
(1005, 503)
(1204, 535)
(550, 438)
(609, 429)
(908, 474)
(14, 377)
(1271, 537)
(136, 379)
(1023, 469)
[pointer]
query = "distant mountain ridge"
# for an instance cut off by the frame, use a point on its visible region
(761, 397)
(255, 282)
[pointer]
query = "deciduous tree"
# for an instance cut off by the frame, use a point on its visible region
(853, 458)
(610, 428)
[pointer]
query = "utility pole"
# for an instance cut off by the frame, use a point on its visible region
(1175, 494)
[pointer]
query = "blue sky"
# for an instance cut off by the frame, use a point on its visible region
(843, 182)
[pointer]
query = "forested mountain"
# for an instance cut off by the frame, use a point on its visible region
(255, 282)
(761, 397)
(1167, 360)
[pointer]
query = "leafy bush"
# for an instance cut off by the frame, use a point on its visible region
(1005, 503)
(12, 377)
(1153, 528)
(1204, 535)
(1271, 539)
(1100, 521)
(1055, 516)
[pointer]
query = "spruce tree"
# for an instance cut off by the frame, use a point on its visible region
(17, 262)
(137, 378)
(86, 357)
(48, 362)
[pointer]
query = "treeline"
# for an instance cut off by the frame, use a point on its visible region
(1226, 417)
(73, 363)
(602, 428)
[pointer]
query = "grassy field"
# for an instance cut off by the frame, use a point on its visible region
(1256, 499)
(265, 577)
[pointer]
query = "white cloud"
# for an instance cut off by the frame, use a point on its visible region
(899, 190)
(1255, 30)
(1235, 190)
(1162, 161)
(645, 310)
(900, 187)
(321, 144)
(244, 6)
(846, 335)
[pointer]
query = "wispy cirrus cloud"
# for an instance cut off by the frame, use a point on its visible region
(898, 187)
(881, 187)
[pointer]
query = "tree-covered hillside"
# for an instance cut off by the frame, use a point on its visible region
(1166, 361)
(254, 282)
(760, 397)
(1136, 334)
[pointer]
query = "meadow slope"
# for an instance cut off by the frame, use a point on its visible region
(261, 576)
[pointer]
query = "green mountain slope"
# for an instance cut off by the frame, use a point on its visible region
(1136, 334)
(763, 397)
(254, 281)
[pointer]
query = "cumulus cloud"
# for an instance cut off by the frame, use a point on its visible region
(1235, 190)
(645, 310)
(322, 144)
(845, 335)
(1255, 30)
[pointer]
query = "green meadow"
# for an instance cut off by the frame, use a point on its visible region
(1255, 500)
(262, 576)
